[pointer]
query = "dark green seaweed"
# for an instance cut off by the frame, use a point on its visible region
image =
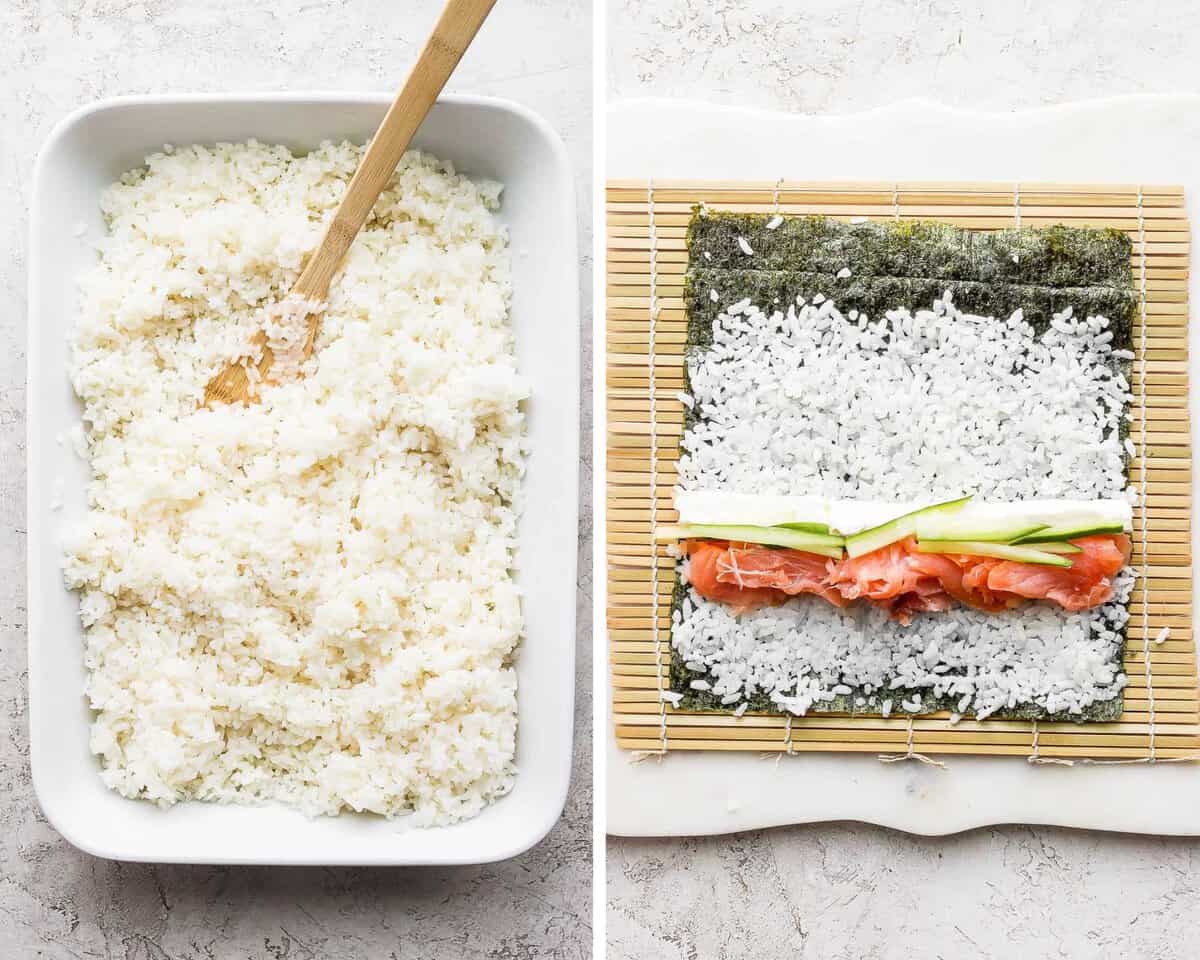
(874, 295)
(1052, 256)
(1039, 270)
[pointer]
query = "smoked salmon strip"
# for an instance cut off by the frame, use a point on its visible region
(900, 579)
(792, 571)
(702, 574)
(1087, 583)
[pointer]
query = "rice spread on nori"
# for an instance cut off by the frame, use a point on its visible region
(790, 294)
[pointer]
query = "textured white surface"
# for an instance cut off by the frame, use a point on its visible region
(834, 56)
(905, 140)
(850, 891)
(57, 903)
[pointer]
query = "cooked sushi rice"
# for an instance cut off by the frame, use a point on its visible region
(921, 405)
(308, 599)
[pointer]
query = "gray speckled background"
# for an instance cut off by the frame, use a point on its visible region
(853, 892)
(57, 903)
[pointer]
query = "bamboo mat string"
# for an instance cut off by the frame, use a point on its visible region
(1145, 572)
(651, 360)
(787, 737)
(896, 202)
(910, 754)
(1017, 219)
(1097, 762)
(1036, 757)
(775, 196)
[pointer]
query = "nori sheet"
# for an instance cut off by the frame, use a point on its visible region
(903, 263)
(1050, 256)
(874, 295)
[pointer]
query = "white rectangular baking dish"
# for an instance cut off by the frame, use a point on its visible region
(480, 136)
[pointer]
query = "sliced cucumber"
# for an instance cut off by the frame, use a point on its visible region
(1062, 547)
(1063, 514)
(806, 527)
(820, 543)
(1069, 532)
(992, 522)
(1002, 551)
(905, 526)
(1026, 520)
(975, 528)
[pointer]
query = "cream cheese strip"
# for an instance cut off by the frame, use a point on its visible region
(848, 517)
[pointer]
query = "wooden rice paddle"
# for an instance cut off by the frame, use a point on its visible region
(455, 29)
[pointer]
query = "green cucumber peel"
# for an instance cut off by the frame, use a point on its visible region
(1060, 547)
(806, 527)
(1000, 551)
(948, 528)
(824, 544)
(1070, 532)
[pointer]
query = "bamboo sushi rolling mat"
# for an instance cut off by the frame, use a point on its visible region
(646, 331)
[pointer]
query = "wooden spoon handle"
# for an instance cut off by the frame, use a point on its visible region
(455, 29)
